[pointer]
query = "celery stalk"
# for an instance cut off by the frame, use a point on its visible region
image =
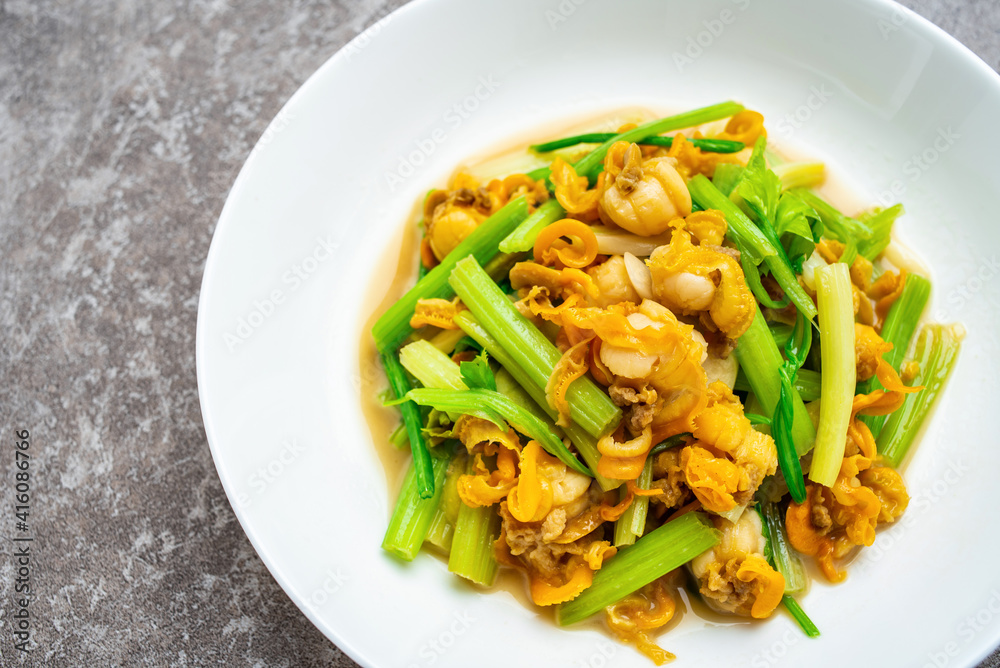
(589, 406)
(412, 516)
(785, 560)
(398, 437)
(442, 529)
(476, 530)
(936, 352)
(394, 325)
(752, 241)
(760, 361)
(807, 384)
(523, 237)
(632, 523)
(898, 329)
(431, 366)
(498, 409)
(585, 444)
(654, 555)
(836, 329)
(800, 174)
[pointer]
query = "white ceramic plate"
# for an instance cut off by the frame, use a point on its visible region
(888, 99)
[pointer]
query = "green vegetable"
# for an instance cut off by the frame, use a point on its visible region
(431, 366)
(394, 325)
(806, 383)
(727, 177)
(836, 329)
(413, 514)
(592, 163)
(880, 221)
(898, 329)
(783, 557)
(442, 530)
(654, 555)
(632, 523)
(752, 241)
(589, 405)
(936, 352)
(859, 237)
(799, 227)
(800, 174)
(796, 351)
(784, 560)
(584, 442)
(761, 362)
(476, 530)
(523, 237)
(800, 616)
(499, 410)
(400, 385)
(707, 145)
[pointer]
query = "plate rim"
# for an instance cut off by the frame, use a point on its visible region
(340, 59)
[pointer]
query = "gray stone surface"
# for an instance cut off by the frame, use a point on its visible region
(122, 126)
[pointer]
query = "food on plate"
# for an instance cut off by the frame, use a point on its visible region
(660, 359)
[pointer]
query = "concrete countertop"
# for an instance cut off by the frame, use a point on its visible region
(122, 127)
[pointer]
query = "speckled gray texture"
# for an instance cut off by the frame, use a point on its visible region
(122, 126)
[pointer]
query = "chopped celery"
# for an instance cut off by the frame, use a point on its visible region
(442, 529)
(800, 174)
(784, 557)
(476, 530)
(398, 437)
(760, 360)
(936, 352)
(499, 267)
(807, 384)
(394, 325)
(880, 221)
(590, 407)
(523, 237)
(632, 523)
(584, 442)
(498, 409)
(654, 555)
(590, 164)
(752, 241)
(431, 366)
(898, 329)
(835, 298)
(477, 374)
(412, 516)
(781, 333)
(447, 340)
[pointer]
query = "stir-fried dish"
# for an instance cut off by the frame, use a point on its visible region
(660, 360)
